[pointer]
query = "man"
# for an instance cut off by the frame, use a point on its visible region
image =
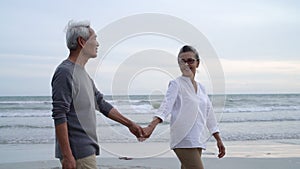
(75, 99)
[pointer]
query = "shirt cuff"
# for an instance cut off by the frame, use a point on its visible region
(161, 117)
(214, 130)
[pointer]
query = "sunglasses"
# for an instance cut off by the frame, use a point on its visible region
(189, 60)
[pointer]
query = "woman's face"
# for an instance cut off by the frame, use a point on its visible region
(188, 62)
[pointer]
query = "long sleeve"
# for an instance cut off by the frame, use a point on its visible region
(61, 95)
(101, 105)
(211, 121)
(169, 101)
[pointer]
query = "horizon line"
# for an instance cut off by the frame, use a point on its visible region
(283, 93)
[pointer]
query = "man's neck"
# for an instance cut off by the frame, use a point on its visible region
(76, 58)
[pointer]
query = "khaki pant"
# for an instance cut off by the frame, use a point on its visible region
(88, 162)
(190, 158)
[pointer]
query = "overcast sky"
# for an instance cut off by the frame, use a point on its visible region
(256, 41)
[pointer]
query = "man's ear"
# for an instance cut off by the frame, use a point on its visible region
(81, 41)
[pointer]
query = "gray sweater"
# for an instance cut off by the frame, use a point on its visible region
(75, 99)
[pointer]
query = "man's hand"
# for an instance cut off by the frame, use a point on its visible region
(136, 130)
(68, 163)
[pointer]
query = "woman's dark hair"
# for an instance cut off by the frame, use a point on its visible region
(187, 48)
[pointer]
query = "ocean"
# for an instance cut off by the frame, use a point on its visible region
(27, 119)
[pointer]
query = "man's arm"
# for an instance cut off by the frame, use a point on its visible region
(133, 127)
(62, 97)
(61, 131)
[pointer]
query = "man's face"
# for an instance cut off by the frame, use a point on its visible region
(91, 46)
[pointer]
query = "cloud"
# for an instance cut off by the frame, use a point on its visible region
(261, 76)
(15, 65)
(261, 66)
(256, 39)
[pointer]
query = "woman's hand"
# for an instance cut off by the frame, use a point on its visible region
(220, 145)
(147, 131)
(221, 148)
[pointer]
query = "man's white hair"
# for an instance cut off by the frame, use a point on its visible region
(76, 29)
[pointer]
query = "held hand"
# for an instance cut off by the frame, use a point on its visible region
(221, 148)
(136, 130)
(148, 131)
(150, 128)
(69, 163)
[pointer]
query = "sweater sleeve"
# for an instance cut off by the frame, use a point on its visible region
(168, 102)
(62, 85)
(101, 104)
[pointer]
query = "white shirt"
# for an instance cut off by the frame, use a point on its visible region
(192, 116)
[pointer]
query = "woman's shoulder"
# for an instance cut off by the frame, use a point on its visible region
(174, 82)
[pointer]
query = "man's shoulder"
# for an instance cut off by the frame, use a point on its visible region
(65, 67)
(64, 70)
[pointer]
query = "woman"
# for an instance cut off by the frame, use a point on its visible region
(191, 113)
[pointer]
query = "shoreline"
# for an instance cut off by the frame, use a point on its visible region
(10, 153)
(169, 163)
(283, 153)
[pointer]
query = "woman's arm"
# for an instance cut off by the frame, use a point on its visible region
(164, 109)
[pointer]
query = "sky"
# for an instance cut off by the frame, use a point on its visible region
(256, 41)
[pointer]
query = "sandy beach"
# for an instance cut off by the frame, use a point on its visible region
(172, 163)
(240, 155)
